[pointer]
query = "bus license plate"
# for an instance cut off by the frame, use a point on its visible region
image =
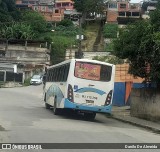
(90, 101)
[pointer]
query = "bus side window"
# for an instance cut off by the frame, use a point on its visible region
(62, 74)
(47, 75)
(65, 73)
(56, 74)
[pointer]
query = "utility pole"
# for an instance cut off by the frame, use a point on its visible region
(79, 37)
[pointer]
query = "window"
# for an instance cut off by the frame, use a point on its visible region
(91, 71)
(105, 73)
(122, 5)
(121, 13)
(58, 4)
(112, 5)
(36, 8)
(128, 13)
(58, 74)
(43, 8)
(56, 11)
(65, 4)
(135, 14)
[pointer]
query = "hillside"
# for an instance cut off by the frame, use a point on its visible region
(94, 40)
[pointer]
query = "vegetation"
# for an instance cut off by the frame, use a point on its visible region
(110, 31)
(16, 31)
(109, 59)
(29, 24)
(87, 7)
(27, 82)
(7, 10)
(61, 37)
(140, 44)
(35, 20)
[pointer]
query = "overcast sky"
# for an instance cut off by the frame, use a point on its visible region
(135, 1)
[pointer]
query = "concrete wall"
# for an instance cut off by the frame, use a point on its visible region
(145, 103)
(23, 54)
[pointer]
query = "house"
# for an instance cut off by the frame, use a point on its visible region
(147, 7)
(122, 11)
(28, 55)
(52, 10)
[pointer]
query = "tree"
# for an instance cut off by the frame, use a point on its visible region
(59, 46)
(7, 7)
(139, 43)
(109, 59)
(35, 20)
(16, 31)
(89, 6)
(66, 23)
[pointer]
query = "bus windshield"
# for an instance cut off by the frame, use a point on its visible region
(92, 71)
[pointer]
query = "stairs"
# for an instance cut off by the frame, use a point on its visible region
(97, 43)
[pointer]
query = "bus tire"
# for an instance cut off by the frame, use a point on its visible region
(55, 109)
(47, 106)
(90, 116)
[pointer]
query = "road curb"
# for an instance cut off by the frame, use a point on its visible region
(155, 130)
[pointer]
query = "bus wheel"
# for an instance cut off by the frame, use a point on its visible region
(47, 105)
(90, 116)
(55, 109)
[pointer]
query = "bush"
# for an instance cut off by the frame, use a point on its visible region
(27, 82)
(110, 31)
(66, 23)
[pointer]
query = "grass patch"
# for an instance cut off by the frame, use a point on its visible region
(27, 82)
(90, 32)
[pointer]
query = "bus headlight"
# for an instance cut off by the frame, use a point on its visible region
(109, 98)
(70, 93)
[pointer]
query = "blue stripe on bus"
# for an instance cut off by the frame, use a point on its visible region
(101, 109)
(81, 90)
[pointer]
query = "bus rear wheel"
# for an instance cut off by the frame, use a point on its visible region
(47, 106)
(90, 116)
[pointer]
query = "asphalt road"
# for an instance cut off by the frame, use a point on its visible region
(24, 119)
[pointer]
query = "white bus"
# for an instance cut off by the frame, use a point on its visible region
(80, 84)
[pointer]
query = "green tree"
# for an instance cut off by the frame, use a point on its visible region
(109, 59)
(139, 42)
(35, 20)
(59, 46)
(7, 7)
(16, 31)
(66, 23)
(89, 6)
(22, 31)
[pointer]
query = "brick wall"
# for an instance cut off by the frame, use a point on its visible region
(122, 74)
(112, 16)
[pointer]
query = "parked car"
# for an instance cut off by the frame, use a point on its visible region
(36, 79)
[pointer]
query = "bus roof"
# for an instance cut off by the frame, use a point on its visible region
(83, 60)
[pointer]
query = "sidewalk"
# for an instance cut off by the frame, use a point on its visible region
(123, 114)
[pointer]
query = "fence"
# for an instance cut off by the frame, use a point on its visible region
(9, 76)
(2, 76)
